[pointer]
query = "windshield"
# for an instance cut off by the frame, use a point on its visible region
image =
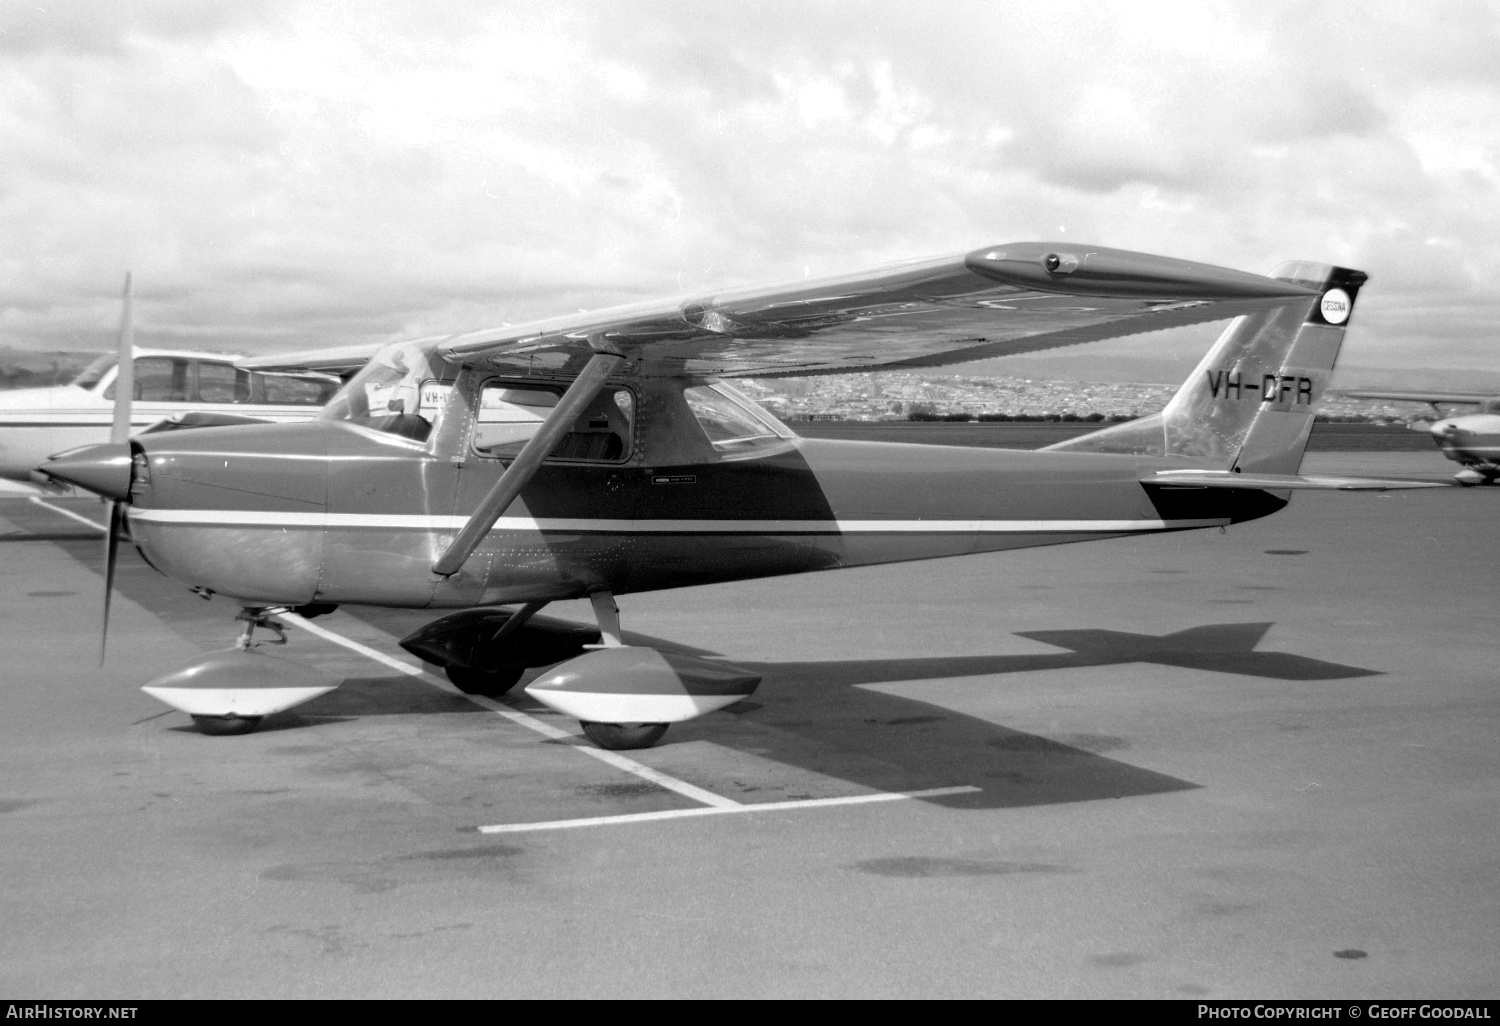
(389, 384)
(91, 374)
(387, 394)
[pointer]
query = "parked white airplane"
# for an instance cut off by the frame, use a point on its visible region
(177, 387)
(1471, 440)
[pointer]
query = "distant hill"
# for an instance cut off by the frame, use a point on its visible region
(1168, 357)
(1173, 369)
(29, 368)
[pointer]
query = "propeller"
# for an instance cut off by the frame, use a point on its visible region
(119, 432)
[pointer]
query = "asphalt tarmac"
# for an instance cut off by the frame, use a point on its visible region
(1256, 764)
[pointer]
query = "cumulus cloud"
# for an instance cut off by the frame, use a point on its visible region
(282, 175)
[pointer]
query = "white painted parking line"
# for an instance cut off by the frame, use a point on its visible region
(711, 804)
(69, 514)
(644, 817)
(614, 759)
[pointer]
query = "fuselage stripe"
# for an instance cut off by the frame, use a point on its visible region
(417, 522)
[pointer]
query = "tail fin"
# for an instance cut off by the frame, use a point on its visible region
(1249, 405)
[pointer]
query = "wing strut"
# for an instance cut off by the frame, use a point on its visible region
(579, 394)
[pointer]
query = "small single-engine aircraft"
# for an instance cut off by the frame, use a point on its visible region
(1471, 440)
(170, 389)
(604, 453)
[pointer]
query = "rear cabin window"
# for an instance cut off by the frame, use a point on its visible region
(735, 426)
(510, 414)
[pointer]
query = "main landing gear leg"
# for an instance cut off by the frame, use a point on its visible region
(617, 737)
(252, 617)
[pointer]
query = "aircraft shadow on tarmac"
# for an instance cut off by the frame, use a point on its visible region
(816, 716)
(824, 716)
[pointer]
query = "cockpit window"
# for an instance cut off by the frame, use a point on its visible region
(509, 414)
(222, 383)
(94, 372)
(159, 379)
(735, 426)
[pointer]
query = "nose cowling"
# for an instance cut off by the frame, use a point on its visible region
(102, 469)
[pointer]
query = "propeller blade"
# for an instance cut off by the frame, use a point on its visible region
(119, 432)
(125, 375)
(111, 553)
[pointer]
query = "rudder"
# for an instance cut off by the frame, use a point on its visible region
(1249, 405)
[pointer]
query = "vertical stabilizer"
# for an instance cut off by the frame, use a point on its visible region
(1249, 405)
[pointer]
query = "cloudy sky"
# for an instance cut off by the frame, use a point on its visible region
(282, 175)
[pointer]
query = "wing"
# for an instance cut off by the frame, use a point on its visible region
(339, 360)
(996, 301)
(1458, 398)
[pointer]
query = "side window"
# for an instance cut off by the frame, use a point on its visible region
(510, 414)
(734, 425)
(222, 383)
(158, 379)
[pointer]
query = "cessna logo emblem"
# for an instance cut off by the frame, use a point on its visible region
(1271, 388)
(1335, 306)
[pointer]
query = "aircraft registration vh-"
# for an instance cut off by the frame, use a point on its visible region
(604, 454)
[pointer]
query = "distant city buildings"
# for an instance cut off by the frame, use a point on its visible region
(879, 395)
(905, 395)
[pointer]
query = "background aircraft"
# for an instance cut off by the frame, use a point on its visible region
(169, 389)
(1471, 440)
(169, 385)
(603, 453)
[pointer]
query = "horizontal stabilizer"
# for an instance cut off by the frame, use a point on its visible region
(1280, 482)
(1454, 398)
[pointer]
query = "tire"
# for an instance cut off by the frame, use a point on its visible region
(484, 682)
(623, 737)
(225, 726)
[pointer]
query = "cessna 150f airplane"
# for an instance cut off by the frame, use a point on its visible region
(604, 453)
(1471, 440)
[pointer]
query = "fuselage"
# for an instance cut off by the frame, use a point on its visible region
(38, 422)
(334, 512)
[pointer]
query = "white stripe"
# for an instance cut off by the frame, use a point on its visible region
(614, 759)
(646, 817)
(420, 522)
(69, 514)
